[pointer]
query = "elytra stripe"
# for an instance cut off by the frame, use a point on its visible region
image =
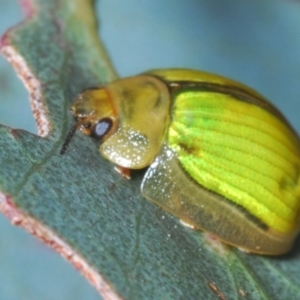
(236, 92)
(205, 143)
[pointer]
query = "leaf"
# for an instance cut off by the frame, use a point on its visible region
(76, 203)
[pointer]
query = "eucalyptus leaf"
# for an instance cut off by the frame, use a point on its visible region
(126, 246)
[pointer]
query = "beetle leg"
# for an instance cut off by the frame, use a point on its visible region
(124, 172)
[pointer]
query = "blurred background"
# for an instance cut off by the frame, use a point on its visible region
(256, 42)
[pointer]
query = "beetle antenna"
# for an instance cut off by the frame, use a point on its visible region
(68, 138)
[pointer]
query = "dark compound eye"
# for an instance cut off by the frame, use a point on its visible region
(102, 127)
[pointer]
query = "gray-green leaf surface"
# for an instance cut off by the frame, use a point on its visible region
(142, 251)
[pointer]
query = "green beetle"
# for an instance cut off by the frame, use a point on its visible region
(221, 157)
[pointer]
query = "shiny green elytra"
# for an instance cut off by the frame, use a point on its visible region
(221, 158)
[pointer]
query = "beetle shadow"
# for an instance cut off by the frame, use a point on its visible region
(136, 177)
(291, 255)
(138, 174)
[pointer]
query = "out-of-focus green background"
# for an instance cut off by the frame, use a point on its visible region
(256, 42)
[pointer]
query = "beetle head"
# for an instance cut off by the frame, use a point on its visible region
(95, 115)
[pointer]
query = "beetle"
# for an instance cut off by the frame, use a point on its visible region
(220, 157)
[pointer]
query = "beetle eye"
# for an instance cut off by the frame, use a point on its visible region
(102, 127)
